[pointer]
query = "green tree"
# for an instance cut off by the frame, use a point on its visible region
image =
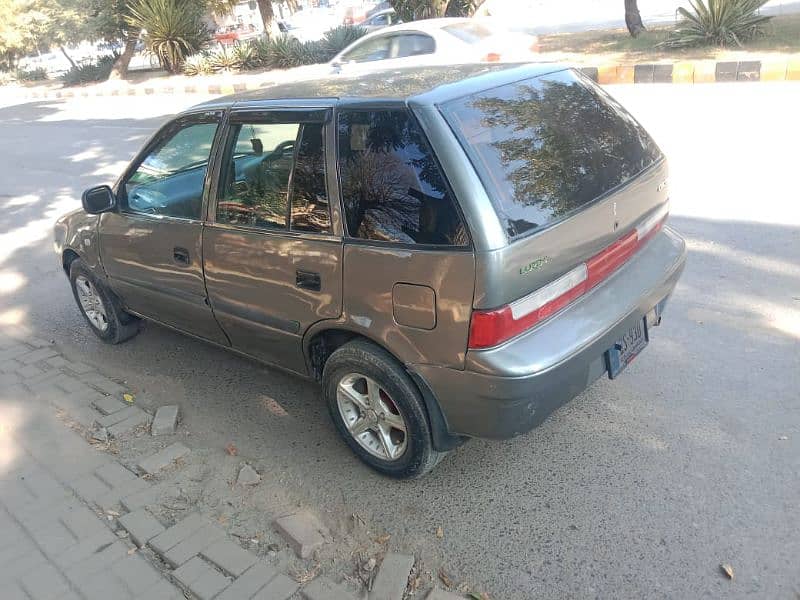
(21, 24)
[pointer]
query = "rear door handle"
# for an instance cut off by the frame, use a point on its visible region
(308, 281)
(181, 256)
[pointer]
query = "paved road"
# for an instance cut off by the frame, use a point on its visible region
(639, 488)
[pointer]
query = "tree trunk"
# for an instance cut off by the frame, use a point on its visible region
(120, 68)
(267, 13)
(633, 19)
(64, 52)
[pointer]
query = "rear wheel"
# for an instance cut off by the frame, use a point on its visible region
(100, 307)
(378, 411)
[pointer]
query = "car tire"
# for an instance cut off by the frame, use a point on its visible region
(100, 306)
(350, 379)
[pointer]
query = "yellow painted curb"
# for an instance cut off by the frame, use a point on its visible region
(607, 74)
(625, 74)
(683, 72)
(773, 70)
(705, 71)
(793, 69)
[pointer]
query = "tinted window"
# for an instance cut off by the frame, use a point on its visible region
(392, 188)
(270, 165)
(254, 184)
(170, 179)
(310, 210)
(413, 45)
(547, 146)
(372, 49)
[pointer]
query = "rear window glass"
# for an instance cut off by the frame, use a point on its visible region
(470, 33)
(547, 146)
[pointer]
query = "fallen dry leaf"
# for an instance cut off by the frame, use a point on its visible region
(128, 398)
(445, 578)
(727, 569)
(382, 539)
(231, 449)
(439, 532)
(131, 551)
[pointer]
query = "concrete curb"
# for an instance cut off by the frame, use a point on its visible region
(697, 71)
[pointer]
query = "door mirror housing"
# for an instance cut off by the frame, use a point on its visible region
(98, 199)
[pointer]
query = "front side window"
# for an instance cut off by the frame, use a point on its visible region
(170, 179)
(392, 188)
(273, 177)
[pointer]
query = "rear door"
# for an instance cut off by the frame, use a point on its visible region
(409, 266)
(272, 254)
(151, 246)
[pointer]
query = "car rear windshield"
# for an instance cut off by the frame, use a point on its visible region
(547, 146)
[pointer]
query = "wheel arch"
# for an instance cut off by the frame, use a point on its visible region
(68, 256)
(322, 342)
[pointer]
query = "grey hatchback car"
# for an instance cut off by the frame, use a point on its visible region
(452, 252)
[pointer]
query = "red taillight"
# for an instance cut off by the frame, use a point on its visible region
(492, 57)
(492, 327)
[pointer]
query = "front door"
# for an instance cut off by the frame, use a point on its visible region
(151, 246)
(272, 256)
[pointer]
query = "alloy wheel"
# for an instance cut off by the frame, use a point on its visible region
(371, 416)
(92, 303)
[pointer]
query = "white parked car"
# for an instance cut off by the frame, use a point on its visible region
(379, 20)
(436, 41)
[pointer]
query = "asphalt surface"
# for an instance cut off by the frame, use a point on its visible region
(640, 487)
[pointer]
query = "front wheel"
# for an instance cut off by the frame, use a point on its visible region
(100, 307)
(379, 411)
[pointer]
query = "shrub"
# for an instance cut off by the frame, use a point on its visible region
(35, 74)
(89, 71)
(284, 52)
(339, 38)
(175, 28)
(719, 22)
(197, 64)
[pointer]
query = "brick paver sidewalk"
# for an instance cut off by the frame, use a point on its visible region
(53, 545)
(75, 524)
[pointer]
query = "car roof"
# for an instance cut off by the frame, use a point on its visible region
(423, 85)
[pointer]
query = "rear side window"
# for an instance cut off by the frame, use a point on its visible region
(414, 45)
(392, 188)
(547, 146)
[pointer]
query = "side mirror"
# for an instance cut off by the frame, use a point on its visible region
(98, 200)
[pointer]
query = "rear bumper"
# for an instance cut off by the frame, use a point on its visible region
(508, 390)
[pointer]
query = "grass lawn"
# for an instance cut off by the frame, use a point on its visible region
(781, 35)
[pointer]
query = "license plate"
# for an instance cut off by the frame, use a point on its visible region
(625, 349)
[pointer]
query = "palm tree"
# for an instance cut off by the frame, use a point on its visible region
(633, 19)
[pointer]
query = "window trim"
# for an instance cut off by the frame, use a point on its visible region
(373, 106)
(168, 130)
(279, 114)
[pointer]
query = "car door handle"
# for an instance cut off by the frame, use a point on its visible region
(181, 256)
(308, 281)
